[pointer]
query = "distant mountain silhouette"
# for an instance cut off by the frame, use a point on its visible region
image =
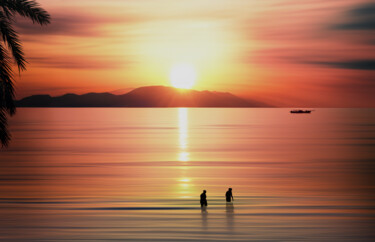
(150, 96)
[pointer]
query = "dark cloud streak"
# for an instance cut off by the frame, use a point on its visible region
(77, 62)
(367, 9)
(361, 18)
(71, 25)
(352, 64)
(361, 24)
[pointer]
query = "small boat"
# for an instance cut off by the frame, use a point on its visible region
(301, 111)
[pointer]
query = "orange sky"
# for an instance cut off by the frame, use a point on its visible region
(284, 52)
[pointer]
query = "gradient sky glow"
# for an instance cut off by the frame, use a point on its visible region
(284, 52)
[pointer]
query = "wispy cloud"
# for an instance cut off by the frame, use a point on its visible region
(78, 62)
(67, 24)
(361, 17)
(351, 64)
(313, 43)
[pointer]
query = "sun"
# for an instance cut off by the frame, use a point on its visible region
(183, 75)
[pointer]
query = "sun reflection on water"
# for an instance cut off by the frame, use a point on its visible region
(184, 180)
(183, 127)
(183, 155)
(183, 134)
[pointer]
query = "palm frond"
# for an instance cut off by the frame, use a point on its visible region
(27, 8)
(6, 83)
(10, 37)
(8, 10)
(6, 96)
(4, 132)
(9, 14)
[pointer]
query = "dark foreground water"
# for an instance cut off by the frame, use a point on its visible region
(136, 174)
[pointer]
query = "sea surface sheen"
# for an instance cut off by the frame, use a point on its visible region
(102, 174)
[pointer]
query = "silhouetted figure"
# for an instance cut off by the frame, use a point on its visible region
(203, 199)
(228, 195)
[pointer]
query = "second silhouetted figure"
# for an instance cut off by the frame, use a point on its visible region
(229, 195)
(203, 199)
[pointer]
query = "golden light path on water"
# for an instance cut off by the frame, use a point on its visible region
(183, 154)
(183, 132)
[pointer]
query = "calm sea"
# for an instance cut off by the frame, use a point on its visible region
(136, 174)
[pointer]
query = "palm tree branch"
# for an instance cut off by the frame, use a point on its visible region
(7, 92)
(27, 8)
(10, 37)
(6, 95)
(4, 132)
(7, 12)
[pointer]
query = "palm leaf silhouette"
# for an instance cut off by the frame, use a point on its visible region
(11, 50)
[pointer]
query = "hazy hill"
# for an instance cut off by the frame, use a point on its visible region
(150, 96)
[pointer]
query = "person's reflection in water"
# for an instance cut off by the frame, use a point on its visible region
(204, 217)
(230, 216)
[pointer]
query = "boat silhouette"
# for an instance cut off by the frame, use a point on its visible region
(300, 111)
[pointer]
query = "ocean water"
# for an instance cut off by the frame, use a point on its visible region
(136, 174)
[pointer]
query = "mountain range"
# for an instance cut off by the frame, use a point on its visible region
(148, 96)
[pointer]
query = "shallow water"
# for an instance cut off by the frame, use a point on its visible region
(136, 174)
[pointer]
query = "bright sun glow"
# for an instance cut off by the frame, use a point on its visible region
(182, 76)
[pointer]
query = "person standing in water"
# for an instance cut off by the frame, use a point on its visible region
(229, 195)
(203, 199)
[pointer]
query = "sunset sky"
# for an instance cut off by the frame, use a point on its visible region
(283, 52)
